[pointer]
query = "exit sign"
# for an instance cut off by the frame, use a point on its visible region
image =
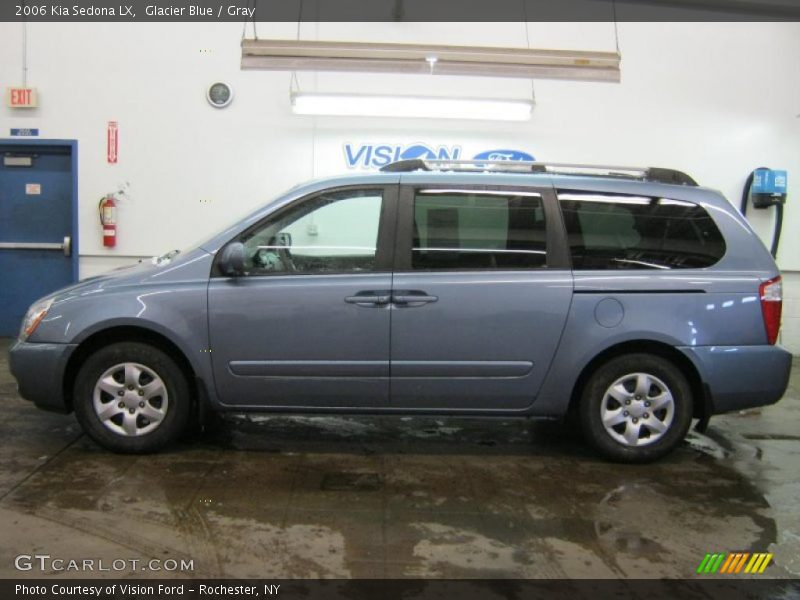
(22, 97)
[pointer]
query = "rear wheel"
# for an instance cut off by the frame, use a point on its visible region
(131, 397)
(636, 408)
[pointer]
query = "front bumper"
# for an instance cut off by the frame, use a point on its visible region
(39, 371)
(741, 377)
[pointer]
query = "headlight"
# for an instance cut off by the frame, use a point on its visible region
(33, 317)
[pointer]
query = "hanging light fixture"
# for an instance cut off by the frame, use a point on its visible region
(304, 55)
(410, 106)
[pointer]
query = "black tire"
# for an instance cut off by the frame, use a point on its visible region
(176, 410)
(660, 372)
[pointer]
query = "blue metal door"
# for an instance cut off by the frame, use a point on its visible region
(36, 225)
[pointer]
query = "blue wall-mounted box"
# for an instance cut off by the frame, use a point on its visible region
(769, 187)
(767, 181)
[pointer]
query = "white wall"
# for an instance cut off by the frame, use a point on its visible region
(715, 100)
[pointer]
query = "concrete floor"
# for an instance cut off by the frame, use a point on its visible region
(280, 497)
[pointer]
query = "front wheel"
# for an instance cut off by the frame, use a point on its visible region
(131, 397)
(636, 408)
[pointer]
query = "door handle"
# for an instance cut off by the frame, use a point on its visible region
(373, 298)
(413, 297)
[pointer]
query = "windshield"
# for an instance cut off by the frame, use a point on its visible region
(205, 238)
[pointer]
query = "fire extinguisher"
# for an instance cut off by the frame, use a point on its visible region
(108, 220)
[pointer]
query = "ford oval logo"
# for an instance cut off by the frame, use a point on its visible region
(504, 155)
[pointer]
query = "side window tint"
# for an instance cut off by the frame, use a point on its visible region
(475, 230)
(330, 233)
(636, 232)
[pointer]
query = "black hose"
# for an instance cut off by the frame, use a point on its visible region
(776, 235)
(746, 192)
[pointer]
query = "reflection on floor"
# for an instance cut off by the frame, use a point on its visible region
(277, 497)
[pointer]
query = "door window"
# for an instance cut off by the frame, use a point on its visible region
(335, 232)
(478, 230)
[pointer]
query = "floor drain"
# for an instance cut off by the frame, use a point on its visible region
(358, 482)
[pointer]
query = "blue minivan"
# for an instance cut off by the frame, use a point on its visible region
(631, 300)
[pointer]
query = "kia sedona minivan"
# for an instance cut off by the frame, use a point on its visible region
(631, 300)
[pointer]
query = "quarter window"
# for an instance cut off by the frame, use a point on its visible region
(639, 232)
(478, 230)
(335, 232)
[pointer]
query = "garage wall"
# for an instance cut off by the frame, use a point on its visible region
(715, 100)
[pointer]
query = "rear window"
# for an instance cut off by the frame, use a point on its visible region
(638, 232)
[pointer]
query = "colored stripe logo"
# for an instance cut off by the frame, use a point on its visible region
(735, 563)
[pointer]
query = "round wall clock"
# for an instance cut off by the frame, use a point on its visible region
(219, 94)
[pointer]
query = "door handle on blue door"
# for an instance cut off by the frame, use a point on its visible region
(370, 298)
(408, 297)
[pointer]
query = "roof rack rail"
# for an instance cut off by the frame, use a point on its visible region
(651, 174)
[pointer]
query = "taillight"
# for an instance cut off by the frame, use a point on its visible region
(771, 293)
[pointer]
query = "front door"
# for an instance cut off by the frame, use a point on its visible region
(36, 223)
(480, 297)
(308, 325)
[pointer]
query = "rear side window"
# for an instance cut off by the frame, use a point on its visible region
(478, 230)
(638, 232)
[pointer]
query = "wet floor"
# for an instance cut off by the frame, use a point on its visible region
(283, 497)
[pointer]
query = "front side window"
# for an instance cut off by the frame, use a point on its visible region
(608, 231)
(478, 230)
(335, 232)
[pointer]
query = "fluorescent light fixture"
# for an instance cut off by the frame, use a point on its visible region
(411, 106)
(303, 55)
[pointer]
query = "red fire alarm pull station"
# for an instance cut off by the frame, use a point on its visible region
(22, 97)
(113, 142)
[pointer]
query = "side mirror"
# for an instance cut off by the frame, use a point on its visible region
(231, 261)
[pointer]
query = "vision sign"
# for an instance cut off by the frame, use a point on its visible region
(375, 156)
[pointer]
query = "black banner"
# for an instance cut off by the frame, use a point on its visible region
(398, 10)
(397, 589)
